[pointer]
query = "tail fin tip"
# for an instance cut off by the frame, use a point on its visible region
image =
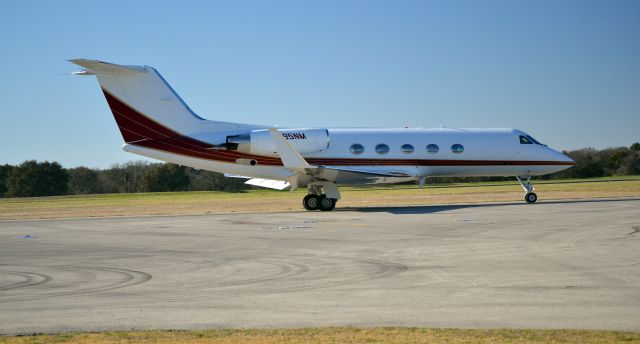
(96, 67)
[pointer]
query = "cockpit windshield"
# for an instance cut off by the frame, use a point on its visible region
(525, 140)
(528, 140)
(534, 140)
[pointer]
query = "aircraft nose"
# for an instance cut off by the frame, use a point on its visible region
(563, 158)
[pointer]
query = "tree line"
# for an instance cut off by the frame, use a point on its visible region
(32, 178)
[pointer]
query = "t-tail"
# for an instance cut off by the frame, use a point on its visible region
(145, 106)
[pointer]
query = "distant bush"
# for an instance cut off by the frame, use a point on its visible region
(124, 178)
(165, 177)
(83, 180)
(589, 163)
(32, 178)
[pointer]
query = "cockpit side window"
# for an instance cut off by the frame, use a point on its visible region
(524, 140)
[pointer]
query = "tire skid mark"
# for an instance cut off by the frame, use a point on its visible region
(340, 282)
(127, 278)
(382, 269)
(287, 270)
(30, 279)
(295, 275)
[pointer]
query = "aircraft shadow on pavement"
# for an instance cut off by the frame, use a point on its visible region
(429, 209)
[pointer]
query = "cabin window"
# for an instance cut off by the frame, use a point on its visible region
(457, 148)
(382, 149)
(356, 148)
(432, 148)
(406, 149)
(525, 140)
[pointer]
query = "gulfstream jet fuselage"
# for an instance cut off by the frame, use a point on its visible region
(155, 122)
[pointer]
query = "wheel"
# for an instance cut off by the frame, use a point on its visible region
(311, 202)
(531, 197)
(327, 204)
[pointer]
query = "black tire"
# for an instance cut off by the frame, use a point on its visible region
(327, 204)
(311, 202)
(530, 197)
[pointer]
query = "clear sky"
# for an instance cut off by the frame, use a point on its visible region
(567, 72)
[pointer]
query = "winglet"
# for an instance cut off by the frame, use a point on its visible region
(289, 155)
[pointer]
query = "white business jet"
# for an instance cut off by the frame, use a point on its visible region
(155, 122)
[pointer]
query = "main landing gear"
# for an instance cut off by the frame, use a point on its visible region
(529, 196)
(322, 202)
(322, 196)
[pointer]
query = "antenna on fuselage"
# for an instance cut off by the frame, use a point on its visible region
(442, 126)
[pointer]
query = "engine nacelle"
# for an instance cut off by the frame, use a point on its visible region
(259, 142)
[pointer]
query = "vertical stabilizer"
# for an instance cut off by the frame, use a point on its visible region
(139, 94)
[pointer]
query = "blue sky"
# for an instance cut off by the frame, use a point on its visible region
(567, 72)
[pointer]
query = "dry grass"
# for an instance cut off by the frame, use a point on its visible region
(338, 335)
(268, 200)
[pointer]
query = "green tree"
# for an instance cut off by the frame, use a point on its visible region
(83, 180)
(32, 178)
(613, 158)
(165, 177)
(4, 173)
(588, 164)
(631, 164)
(125, 177)
(635, 146)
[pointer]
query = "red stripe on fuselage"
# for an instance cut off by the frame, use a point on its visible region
(143, 131)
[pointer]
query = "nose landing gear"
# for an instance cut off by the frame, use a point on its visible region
(529, 196)
(322, 196)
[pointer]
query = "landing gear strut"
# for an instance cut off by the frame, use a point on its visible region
(322, 196)
(529, 196)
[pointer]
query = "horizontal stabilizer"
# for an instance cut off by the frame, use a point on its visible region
(268, 183)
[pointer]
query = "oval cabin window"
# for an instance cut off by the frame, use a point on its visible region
(457, 148)
(356, 148)
(406, 149)
(382, 149)
(432, 149)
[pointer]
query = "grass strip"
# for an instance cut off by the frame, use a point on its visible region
(336, 335)
(179, 203)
